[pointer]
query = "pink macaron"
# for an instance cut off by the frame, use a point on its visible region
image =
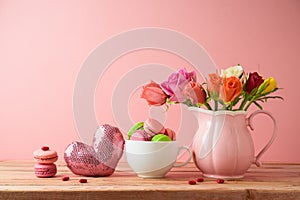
(45, 155)
(140, 135)
(153, 127)
(45, 170)
(45, 159)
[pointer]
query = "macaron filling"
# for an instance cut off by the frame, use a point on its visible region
(151, 131)
(43, 158)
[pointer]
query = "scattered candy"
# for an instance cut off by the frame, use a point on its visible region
(199, 179)
(65, 178)
(45, 148)
(192, 182)
(82, 180)
(220, 181)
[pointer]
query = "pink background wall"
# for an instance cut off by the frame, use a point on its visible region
(44, 43)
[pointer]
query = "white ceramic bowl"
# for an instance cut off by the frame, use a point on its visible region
(153, 159)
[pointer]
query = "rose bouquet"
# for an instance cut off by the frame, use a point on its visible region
(229, 89)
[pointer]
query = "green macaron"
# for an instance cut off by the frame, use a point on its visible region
(137, 126)
(161, 138)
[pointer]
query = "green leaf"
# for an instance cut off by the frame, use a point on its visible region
(207, 106)
(258, 105)
(170, 102)
(188, 102)
(208, 100)
(270, 97)
(137, 126)
(253, 92)
(262, 87)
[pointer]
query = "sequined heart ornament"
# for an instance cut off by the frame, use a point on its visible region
(101, 158)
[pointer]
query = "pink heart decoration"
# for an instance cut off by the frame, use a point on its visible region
(100, 159)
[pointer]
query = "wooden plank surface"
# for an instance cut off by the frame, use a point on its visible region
(270, 181)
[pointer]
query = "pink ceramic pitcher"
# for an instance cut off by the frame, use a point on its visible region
(223, 147)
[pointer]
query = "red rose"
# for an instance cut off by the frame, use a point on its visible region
(254, 81)
(153, 94)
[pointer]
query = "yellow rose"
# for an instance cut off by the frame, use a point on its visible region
(269, 85)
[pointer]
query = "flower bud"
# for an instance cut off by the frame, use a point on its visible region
(270, 85)
(213, 85)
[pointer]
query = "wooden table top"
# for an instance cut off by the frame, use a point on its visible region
(270, 181)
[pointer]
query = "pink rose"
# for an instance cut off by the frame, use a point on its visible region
(214, 83)
(176, 83)
(153, 94)
(195, 93)
(190, 76)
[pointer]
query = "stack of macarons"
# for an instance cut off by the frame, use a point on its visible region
(151, 130)
(45, 158)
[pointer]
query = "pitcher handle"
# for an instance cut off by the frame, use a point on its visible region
(267, 146)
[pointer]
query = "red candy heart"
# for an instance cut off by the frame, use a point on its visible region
(100, 159)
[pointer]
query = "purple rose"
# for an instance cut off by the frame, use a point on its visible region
(254, 81)
(176, 83)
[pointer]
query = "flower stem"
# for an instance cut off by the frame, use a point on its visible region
(216, 105)
(231, 105)
(224, 107)
(243, 103)
(250, 102)
(207, 106)
(254, 97)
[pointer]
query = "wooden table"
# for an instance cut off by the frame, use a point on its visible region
(270, 181)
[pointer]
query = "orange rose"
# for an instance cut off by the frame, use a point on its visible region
(195, 93)
(232, 88)
(214, 83)
(153, 94)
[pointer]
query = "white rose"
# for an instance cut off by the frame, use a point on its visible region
(236, 71)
